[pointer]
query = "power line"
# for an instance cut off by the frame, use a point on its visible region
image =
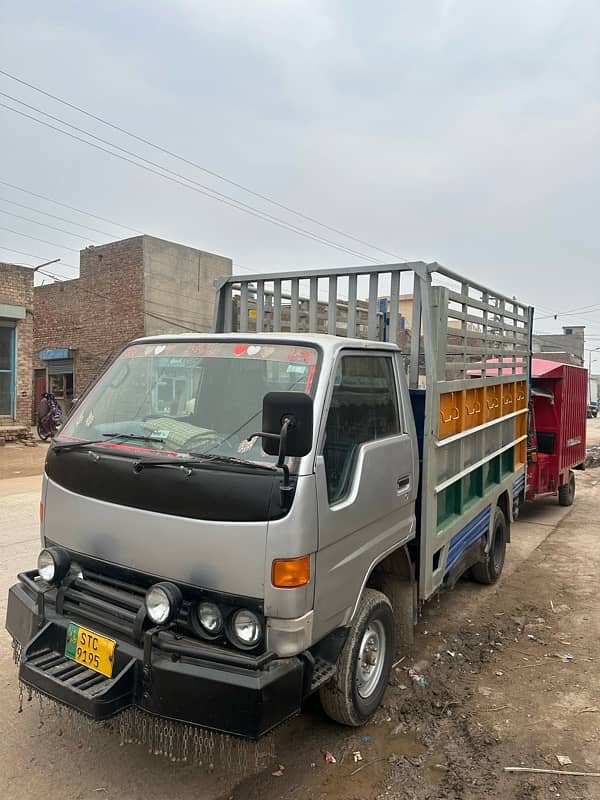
(194, 164)
(43, 224)
(35, 239)
(64, 205)
(177, 178)
(54, 216)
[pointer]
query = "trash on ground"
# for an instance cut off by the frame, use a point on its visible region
(366, 738)
(564, 761)
(357, 756)
(451, 653)
(499, 673)
(312, 765)
(564, 657)
(420, 680)
(330, 758)
(279, 772)
(553, 772)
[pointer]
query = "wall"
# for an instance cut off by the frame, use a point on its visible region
(123, 287)
(16, 289)
(96, 314)
(572, 343)
(179, 285)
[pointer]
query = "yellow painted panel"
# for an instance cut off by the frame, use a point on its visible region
(493, 402)
(520, 395)
(451, 413)
(508, 398)
(473, 408)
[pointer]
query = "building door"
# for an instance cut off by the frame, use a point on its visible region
(39, 387)
(7, 371)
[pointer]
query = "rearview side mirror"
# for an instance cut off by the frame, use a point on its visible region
(295, 408)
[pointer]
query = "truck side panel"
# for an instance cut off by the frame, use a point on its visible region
(573, 410)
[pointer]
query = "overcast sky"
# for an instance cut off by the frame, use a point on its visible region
(460, 131)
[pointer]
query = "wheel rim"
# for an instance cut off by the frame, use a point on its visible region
(371, 658)
(498, 548)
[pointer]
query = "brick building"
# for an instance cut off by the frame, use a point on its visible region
(126, 289)
(16, 349)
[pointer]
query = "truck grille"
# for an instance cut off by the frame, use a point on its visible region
(103, 600)
(112, 603)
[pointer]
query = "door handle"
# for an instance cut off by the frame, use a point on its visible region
(403, 484)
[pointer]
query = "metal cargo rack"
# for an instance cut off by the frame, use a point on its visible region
(467, 353)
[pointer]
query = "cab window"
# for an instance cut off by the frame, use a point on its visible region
(364, 408)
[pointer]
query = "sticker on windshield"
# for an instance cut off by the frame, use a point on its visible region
(160, 434)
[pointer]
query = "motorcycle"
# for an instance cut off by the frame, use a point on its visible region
(49, 424)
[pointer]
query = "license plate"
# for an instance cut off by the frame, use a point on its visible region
(90, 649)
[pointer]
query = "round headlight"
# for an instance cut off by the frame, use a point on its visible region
(53, 564)
(163, 601)
(246, 628)
(210, 618)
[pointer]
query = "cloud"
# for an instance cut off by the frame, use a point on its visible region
(459, 131)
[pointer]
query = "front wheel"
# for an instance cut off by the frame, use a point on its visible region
(488, 570)
(363, 667)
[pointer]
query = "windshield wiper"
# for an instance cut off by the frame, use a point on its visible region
(60, 448)
(199, 461)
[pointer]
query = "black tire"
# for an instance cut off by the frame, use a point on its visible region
(489, 569)
(44, 436)
(348, 698)
(566, 492)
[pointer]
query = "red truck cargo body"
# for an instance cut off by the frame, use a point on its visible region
(557, 426)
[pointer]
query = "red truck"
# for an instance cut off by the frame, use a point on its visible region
(557, 429)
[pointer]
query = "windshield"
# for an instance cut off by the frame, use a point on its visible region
(190, 397)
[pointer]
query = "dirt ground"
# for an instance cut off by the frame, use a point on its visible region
(20, 460)
(511, 677)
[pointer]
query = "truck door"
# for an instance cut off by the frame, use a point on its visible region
(367, 474)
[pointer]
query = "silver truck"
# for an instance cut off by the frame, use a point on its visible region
(231, 522)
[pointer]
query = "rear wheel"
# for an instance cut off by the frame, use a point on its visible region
(364, 665)
(566, 492)
(490, 567)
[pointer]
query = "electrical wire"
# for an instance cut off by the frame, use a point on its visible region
(177, 178)
(194, 164)
(64, 205)
(43, 224)
(35, 239)
(54, 216)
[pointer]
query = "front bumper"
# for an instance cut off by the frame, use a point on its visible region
(170, 676)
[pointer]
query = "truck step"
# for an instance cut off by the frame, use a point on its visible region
(323, 671)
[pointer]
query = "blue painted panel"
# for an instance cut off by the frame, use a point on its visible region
(518, 485)
(50, 355)
(476, 528)
(8, 408)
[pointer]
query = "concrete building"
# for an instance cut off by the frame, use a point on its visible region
(566, 347)
(126, 289)
(16, 349)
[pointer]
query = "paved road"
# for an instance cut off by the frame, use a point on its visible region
(37, 757)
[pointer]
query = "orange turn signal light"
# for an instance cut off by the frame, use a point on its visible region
(41, 513)
(290, 573)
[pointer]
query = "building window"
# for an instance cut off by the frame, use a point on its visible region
(7, 371)
(61, 386)
(364, 408)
